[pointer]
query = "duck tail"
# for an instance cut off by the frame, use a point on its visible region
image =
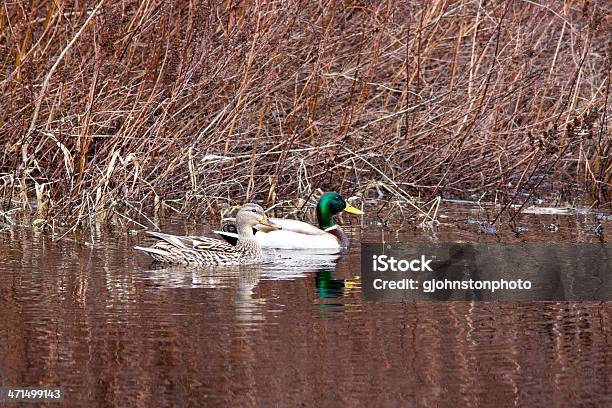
(152, 252)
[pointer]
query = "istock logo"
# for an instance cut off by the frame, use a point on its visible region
(396, 271)
(384, 263)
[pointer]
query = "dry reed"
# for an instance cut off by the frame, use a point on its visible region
(115, 110)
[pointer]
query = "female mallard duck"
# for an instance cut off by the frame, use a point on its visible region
(209, 251)
(300, 235)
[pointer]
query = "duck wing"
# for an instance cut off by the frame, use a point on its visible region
(193, 243)
(228, 231)
(284, 239)
(300, 227)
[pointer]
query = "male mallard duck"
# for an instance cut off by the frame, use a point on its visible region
(300, 235)
(209, 251)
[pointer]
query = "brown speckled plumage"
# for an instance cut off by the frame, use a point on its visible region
(208, 251)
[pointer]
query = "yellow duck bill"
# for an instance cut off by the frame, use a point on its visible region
(350, 209)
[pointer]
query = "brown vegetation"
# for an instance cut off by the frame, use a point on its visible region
(114, 107)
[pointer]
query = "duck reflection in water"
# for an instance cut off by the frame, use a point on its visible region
(248, 301)
(249, 309)
(244, 278)
(331, 292)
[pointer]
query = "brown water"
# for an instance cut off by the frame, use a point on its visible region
(99, 321)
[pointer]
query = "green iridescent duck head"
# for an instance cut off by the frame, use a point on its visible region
(329, 205)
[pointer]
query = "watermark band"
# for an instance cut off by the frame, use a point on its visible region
(471, 271)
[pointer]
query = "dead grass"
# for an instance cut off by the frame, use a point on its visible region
(126, 108)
